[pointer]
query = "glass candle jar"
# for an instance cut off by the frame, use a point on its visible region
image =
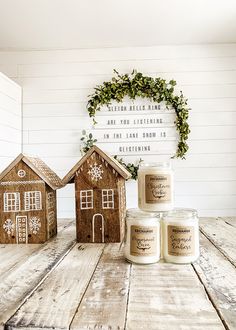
(155, 187)
(180, 236)
(142, 238)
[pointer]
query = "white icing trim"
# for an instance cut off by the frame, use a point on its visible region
(21, 173)
(86, 199)
(93, 220)
(12, 183)
(108, 198)
(21, 236)
(33, 200)
(11, 201)
(50, 200)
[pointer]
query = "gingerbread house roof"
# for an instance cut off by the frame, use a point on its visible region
(110, 160)
(39, 167)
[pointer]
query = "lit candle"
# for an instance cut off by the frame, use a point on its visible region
(155, 187)
(180, 236)
(142, 239)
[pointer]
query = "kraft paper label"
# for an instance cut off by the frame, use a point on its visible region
(181, 240)
(143, 241)
(157, 188)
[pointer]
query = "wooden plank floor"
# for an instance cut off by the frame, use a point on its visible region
(66, 285)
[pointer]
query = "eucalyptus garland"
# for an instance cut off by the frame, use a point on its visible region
(88, 141)
(154, 89)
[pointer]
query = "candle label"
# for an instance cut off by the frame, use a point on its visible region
(143, 241)
(181, 240)
(158, 188)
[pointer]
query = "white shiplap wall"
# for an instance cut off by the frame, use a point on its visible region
(10, 120)
(55, 88)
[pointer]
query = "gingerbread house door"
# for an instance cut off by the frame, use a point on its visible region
(21, 229)
(98, 228)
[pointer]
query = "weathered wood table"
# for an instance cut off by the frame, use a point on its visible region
(66, 285)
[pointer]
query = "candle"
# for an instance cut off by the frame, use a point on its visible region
(180, 236)
(155, 187)
(142, 238)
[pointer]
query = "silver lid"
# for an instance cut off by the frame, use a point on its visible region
(137, 213)
(155, 164)
(180, 214)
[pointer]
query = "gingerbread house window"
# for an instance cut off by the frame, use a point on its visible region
(50, 200)
(107, 198)
(33, 200)
(21, 173)
(11, 202)
(86, 199)
(51, 217)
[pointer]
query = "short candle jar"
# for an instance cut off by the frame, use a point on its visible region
(142, 237)
(180, 236)
(155, 187)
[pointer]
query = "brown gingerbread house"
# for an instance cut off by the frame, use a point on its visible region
(28, 211)
(100, 197)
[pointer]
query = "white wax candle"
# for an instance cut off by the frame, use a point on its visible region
(155, 187)
(142, 239)
(180, 236)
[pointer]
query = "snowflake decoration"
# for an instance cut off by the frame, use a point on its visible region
(95, 172)
(8, 226)
(34, 225)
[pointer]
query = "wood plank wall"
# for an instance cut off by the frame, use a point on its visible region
(10, 120)
(55, 88)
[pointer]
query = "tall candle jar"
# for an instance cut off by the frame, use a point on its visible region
(142, 237)
(155, 187)
(180, 236)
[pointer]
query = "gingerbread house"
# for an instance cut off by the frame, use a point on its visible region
(28, 211)
(100, 197)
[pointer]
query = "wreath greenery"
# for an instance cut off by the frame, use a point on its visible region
(154, 89)
(88, 141)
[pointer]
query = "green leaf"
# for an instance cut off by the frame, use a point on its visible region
(154, 89)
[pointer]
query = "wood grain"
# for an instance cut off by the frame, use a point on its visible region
(86, 286)
(222, 235)
(22, 280)
(12, 257)
(230, 221)
(34, 220)
(10, 175)
(167, 296)
(100, 202)
(219, 278)
(54, 303)
(64, 223)
(105, 301)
